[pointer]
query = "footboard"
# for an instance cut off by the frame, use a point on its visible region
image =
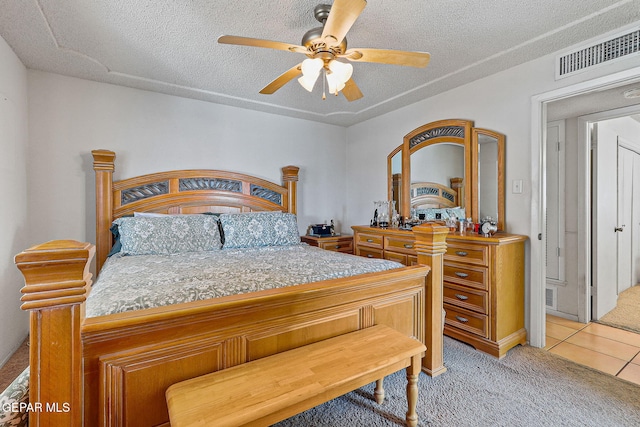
(127, 361)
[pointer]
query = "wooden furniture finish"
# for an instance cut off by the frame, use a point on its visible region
(484, 291)
(425, 245)
(483, 282)
(114, 370)
(291, 382)
(343, 243)
(430, 134)
(468, 187)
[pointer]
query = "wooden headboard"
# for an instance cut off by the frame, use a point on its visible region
(182, 192)
(434, 195)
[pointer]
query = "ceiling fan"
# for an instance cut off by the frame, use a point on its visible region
(324, 45)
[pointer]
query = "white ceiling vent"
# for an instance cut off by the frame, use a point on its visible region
(619, 46)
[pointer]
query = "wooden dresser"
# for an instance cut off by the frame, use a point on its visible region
(342, 243)
(483, 285)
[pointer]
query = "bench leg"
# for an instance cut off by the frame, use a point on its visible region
(378, 393)
(413, 371)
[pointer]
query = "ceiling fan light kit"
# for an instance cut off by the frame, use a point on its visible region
(322, 45)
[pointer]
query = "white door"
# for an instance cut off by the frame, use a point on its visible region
(555, 203)
(604, 245)
(624, 228)
(635, 221)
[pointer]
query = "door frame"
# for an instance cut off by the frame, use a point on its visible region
(538, 193)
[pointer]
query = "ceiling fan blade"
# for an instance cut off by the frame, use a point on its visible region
(282, 80)
(342, 16)
(247, 41)
(351, 91)
(387, 56)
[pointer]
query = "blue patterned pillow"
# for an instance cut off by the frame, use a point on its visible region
(255, 229)
(168, 234)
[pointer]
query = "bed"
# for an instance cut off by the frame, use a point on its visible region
(425, 195)
(113, 369)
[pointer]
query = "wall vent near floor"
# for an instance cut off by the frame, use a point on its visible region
(618, 46)
(551, 298)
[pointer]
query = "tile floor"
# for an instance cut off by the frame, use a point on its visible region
(610, 350)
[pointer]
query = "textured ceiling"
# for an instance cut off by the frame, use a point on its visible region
(170, 46)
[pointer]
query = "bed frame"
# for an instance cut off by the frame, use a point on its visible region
(113, 370)
(434, 195)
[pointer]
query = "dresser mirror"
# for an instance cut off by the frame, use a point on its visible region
(394, 174)
(489, 152)
(449, 156)
(437, 166)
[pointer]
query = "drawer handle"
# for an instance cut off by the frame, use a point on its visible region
(461, 253)
(369, 240)
(463, 275)
(462, 319)
(337, 246)
(369, 256)
(408, 246)
(462, 297)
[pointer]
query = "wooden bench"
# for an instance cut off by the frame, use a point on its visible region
(265, 391)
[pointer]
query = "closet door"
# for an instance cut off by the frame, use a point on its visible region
(628, 228)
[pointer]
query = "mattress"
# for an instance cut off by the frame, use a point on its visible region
(128, 283)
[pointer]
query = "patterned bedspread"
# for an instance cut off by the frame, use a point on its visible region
(136, 282)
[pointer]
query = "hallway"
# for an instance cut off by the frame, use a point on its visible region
(604, 348)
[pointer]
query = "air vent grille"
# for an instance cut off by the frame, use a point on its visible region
(618, 47)
(551, 298)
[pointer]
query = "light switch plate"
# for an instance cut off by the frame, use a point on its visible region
(517, 186)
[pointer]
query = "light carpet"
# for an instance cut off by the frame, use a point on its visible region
(626, 315)
(528, 387)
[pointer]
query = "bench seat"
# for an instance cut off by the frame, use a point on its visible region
(267, 390)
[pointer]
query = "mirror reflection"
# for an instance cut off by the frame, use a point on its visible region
(487, 176)
(436, 164)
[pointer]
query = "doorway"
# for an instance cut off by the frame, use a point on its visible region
(538, 254)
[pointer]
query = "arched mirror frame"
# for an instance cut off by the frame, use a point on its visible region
(500, 138)
(442, 131)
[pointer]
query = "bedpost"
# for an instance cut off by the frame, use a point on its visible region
(57, 281)
(458, 185)
(103, 165)
(290, 180)
(431, 246)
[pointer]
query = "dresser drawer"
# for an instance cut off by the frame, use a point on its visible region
(394, 256)
(369, 252)
(345, 245)
(467, 320)
(370, 240)
(475, 277)
(467, 298)
(467, 253)
(401, 245)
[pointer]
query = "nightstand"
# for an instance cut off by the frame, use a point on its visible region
(342, 243)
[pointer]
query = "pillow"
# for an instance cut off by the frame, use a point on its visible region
(256, 229)
(431, 214)
(458, 212)
(168, 234)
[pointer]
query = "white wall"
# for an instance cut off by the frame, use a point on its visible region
(500, 102)
(13, 214)
(152, 132)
